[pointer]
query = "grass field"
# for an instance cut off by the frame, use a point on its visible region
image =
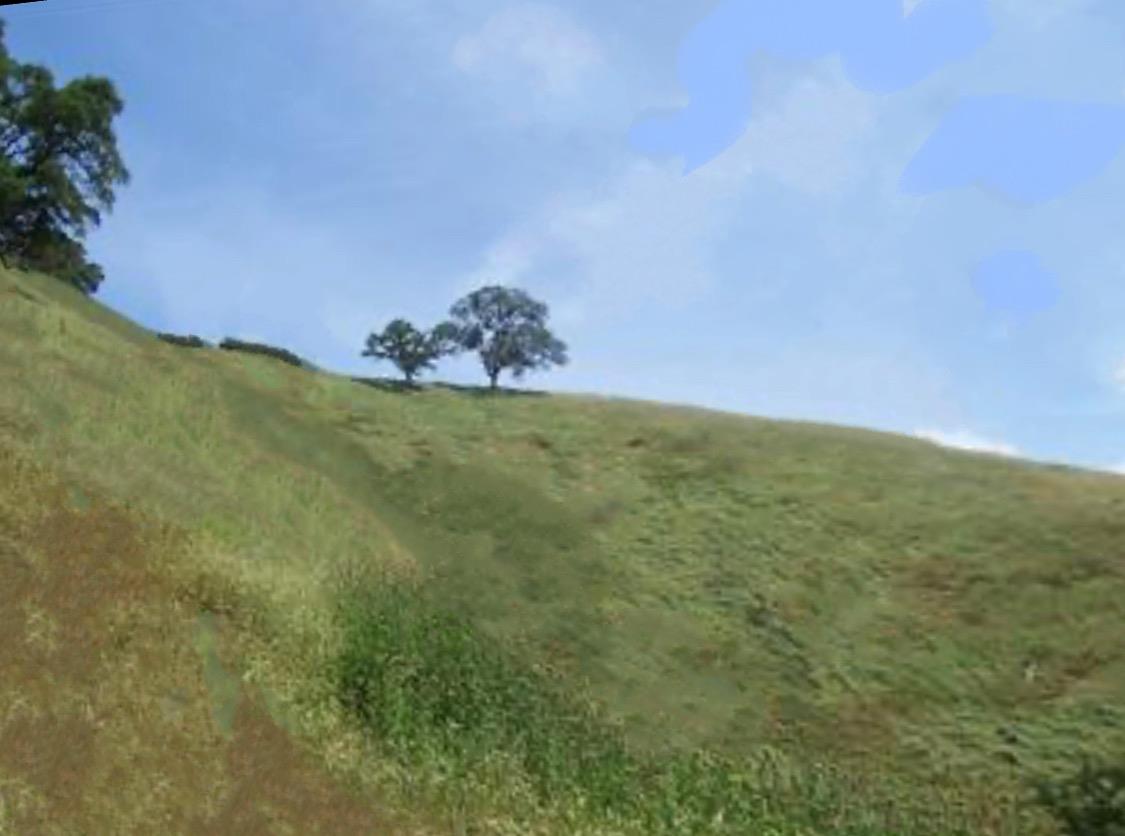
(241, 596)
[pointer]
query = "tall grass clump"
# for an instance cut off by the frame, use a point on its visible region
(431, 689)
(437, 694)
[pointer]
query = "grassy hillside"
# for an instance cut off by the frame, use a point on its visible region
(203, 554)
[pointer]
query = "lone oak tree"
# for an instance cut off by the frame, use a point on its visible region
(508, 329)
(59, 164)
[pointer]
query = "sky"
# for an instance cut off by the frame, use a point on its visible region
(897, 215)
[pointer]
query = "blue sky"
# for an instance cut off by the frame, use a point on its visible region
(906, 217)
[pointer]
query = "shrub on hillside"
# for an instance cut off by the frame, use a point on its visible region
(1089, 803)
(188, 341)
(259, 348)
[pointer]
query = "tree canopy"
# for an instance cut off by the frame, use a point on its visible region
(409, 349)
(508, 329)
(59, 165)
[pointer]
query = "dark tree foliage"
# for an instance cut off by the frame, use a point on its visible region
(59, 165)
(412, 350)
(188, 341)
(508, 329)
(231, 344)
(50, 251)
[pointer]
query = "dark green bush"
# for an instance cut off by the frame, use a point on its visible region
(189, 341)
(231, 344)
(1088, 803)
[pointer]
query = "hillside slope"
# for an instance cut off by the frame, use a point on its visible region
(858, 598)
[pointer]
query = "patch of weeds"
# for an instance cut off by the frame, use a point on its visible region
(425, 683)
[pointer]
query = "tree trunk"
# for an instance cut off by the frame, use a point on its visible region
(492, 379)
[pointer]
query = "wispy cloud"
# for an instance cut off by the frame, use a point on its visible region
(506, 262)
(533, 41)
(967, 440)
(880, 53)
(644, 238)
(1119, 375)
(650, 233)
(810, 139)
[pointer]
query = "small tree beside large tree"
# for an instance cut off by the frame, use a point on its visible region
(412, 350)
(508, 329)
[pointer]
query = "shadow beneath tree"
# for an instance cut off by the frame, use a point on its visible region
(389, 385)
(486, 392)
(401, 386)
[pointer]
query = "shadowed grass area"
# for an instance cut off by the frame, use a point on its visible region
(906, 632)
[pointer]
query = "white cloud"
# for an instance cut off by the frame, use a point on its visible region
(647, 236)
(506, 263)
(908, 7)
(811, 138)
(533, 38)
(650, 233)
(1119, 375)
(966, 440)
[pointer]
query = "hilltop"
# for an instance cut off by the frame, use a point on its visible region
(860, 611)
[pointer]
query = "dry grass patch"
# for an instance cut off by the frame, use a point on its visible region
(106, 719)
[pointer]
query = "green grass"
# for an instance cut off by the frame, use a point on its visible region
(432, 692)
(865, 633)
